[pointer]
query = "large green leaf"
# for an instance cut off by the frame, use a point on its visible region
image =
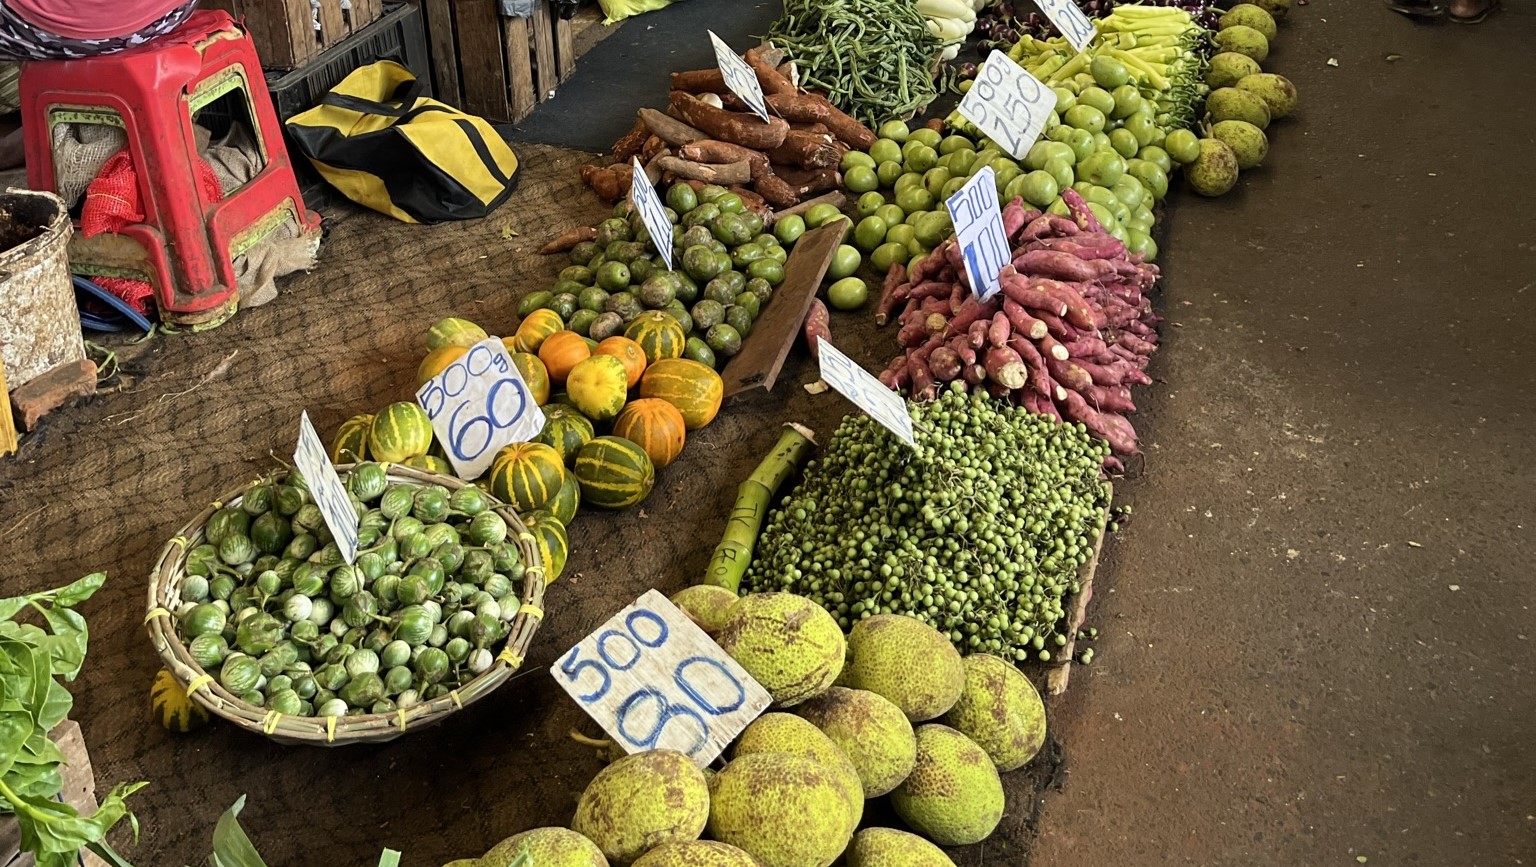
(42, 781)
(10, 607)
(29, 676)
(77, 592)
(231, 847)
(39, 750)
(55, 707)
(67, 645)
(15, 728)
(49, 826)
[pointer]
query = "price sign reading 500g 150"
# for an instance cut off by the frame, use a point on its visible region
(654, 681)
(479, 404)
(1070, 20)
(1007, 104)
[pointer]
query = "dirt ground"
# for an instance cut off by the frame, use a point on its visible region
(1315, 631)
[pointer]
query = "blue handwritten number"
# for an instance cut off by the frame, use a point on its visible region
(572, 670)
(602, 650)
(653, 617)
(479, 352)
(666, 712)
(679, 675)
(491, 411)
(432, 400)
(460, 431)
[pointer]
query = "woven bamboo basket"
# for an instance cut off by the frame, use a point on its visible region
(204, 688)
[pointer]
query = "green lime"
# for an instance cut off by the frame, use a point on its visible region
(789, 229)
(888, 253)
(891, 214)
(768, 269)
(885, 151)
(1109, 72)
(869, 233)
(1084, 116)
(613, 276)
(820, 215)
(681, 198)
(857, 158)
(849, 293)
(845, 262)
(861, 179)
(868, 204)
(894, 130)
(1183, 146)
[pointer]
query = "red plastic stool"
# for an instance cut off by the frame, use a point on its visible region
(187, 245)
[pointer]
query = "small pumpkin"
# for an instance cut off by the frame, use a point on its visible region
(563, 505)
(534, 373)
(526, 475)
(565, 430)
(351, 442)
(437, 361)
(562, 351)
(614, 473)
(693, 388)
(659, 335)
(453, 331)
(537, 328)
(655, 426)
(551, 540)
(626, 351)
(598, 387)
(173, 708)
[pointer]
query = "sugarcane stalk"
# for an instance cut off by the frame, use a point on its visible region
(728, 565)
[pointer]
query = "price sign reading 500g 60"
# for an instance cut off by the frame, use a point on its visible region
(479, 404)
(654, 681)
(1008, 104)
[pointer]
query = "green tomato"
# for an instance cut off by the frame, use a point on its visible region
(1124, 142)
(1038, 154)
(1100, 196)
(1004, 174)
(789, 229)
(935, 179)
(682, 198)
(1097, 98)
(954, 143)
(885, 151)
(1109, 72)
(929, 137)
(1105, 216)
(892, 214)
(849, 293)
(1102, 169)
(1062, 171)
(933, 227)
(915, 216)
(861, 179)
(1183, 146)
(907, 181)
(1127, 101)
(1152, 176)
(889, 172)
(960, 162)
(857, 158)
(1065, 99)
(767, 269)
(1015, 188)
(1157, 156)
(894, 130)
(1142, 125)
(1081, 144)
(1087, 117)
(887, 254)
(1039, 188)
(869, 233)
(868, 204)
(1130, 191)
(820, 215)
(916, 248)
(845, 262)
(951, 187)
(917, 199)
(901, 233)
(1059, 208)
(1138, 241)
(922, 158)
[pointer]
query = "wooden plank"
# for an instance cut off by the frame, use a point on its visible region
(520, 92)
(445, 57)
(543, 26)
(565, 48)
(1058, 676)
(762, 354)
(333, 24)
(293, 24)
(8, 439)
(481, 65)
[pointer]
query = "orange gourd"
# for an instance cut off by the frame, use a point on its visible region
(693, 388)
(562, 351)
(655, 426)
(627, 351)
(534, 330)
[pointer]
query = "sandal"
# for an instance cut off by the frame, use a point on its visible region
(1416, 8)
(1476, 17)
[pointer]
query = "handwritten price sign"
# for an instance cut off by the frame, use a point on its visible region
(860, 386)
(979, 232)
(326, 487)
(1070, 20)
(653, 680)
(643, 196)
(1008, 104)
(479, 404)
(739, 77)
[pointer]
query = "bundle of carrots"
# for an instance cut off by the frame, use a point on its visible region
(709, 136)
(1070, 332)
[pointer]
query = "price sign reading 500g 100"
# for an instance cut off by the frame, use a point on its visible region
(1007, 104)
(654, 681)
(479, 404)
(979, 232)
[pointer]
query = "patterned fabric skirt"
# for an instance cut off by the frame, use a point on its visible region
(20, 40)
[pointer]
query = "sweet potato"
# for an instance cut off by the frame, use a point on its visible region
(1110, 397)
(963, 349)
(562, 243)
(1047, 226)
(890, 292)
(1104, 374)
(1051, 348)
(818, 325)
(1017, 287)
(913, 333)
(1119, 435)
(1055, 265)
(1015, 216)
(923, 386)
(976, 335)
(671, 130)
(1005, 367)
(926, 267)
(1086, 347)
(1056, 326)
(974, 311)
(1040, 405)
(1069, 374)
(1022, 322)
(1080, 213)
(1136, 344)
(1000, 330)
(1084, 246)
(747, 130)
(945, 364)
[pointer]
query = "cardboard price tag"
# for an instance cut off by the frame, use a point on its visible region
(326, 487)
(1007, 104)
(1070, 20)
(868, 393)
(643, 196)
(478, 404)
(979, 232)
(653, 680)
(739, 77)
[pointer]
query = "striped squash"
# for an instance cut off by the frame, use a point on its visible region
(692, 387)
(659, 334)
(173, 708)
(614, 473)
(430, 463)
(537, 328)
(453, 331)
(626, 351)
(653, 425)
(533, 372)
(526, 475)
(565, 430)
(551, 540)
(401, 431)
(351, 442)
(598, 387)
(563, 505)
(437, 361)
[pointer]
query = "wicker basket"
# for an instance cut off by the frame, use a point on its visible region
(165, 597)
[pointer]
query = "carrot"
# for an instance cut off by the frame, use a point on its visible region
(746, 130)
(1022, 322)
(1000, 330)
(890, 292)
(818, 325)
(1005, 367)
(562, 243)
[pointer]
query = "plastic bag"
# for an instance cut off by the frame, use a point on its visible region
(618, 10)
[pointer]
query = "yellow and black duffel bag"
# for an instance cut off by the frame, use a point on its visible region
(380, 142)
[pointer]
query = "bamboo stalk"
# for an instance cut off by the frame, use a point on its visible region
(728, 565)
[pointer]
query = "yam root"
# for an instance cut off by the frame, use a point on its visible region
(800, 107)
(751, 200)
(765, 61)
(631, 142)
(776, 191)
(611, 183)
(720, 152)
(723, 174)
(848, 130)
(818, 325)
(805, 150)
(700, 81)
(808, 182)
(653, 145)
(746, 130)
(671, 130)
(563, 242)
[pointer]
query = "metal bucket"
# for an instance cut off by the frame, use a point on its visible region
(39, 322)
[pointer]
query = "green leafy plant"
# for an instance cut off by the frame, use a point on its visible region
(32, 702)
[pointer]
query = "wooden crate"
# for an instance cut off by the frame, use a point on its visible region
(284, 30)
(498, 68)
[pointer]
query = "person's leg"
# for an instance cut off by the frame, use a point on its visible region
(1471, 11)
(1416, 8)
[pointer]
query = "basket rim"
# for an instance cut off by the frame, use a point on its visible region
(205, 689)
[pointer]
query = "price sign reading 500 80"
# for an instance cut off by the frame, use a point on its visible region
(1008, 105)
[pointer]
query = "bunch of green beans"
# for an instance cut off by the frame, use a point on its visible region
(874, 58)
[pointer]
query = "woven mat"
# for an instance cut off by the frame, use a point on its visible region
(103, 485)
